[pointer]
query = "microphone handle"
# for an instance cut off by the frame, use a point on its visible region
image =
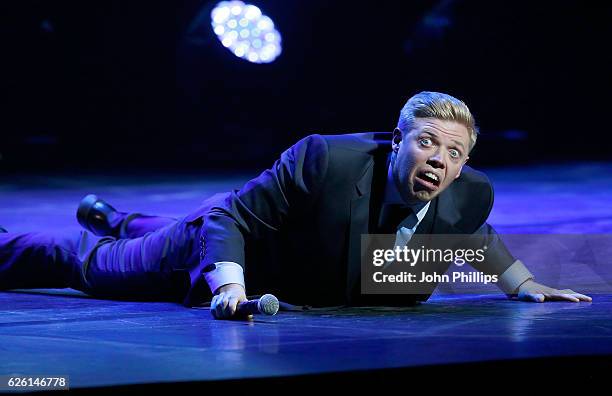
(248, 308)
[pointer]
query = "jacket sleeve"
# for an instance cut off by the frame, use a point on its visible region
(261, 206)
(498, 259)
(497, 256)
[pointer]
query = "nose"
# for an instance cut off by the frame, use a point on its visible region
(436, 161)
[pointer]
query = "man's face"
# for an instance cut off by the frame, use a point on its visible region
(429, 157)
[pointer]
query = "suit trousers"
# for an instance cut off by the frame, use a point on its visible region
(150, 263)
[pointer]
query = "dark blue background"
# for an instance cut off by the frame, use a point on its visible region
(139, 84)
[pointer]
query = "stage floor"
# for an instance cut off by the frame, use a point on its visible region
(102, 343)
(107, 343)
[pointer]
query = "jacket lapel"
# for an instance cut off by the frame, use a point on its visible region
(365, 207)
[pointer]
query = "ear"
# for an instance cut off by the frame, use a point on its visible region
(461, 167)
(397, 139)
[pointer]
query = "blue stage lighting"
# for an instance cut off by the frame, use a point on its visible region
(245, 31)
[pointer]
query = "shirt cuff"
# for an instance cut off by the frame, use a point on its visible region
(513, 277)
(223, 273)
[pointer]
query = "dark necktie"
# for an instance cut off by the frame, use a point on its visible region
(394, 215)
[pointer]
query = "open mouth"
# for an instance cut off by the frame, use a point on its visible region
(428, 180)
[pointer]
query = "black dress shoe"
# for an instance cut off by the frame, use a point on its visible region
(99, 217)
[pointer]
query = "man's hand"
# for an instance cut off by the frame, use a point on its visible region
(227, 298)
(535, 292)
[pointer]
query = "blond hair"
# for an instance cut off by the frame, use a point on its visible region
(440, 106)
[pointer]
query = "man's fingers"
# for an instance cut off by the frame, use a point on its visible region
(213, 306)
(232, 305)
(582, 297)
(549, 294)
(225, 304)
(533, 297)
(222, 306)
(218, 306)
(568, 297)
(579, 296)
(573, 297)
(557, 296)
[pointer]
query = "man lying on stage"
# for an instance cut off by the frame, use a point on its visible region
(293, 231)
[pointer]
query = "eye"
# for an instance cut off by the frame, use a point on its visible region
(425, 142)
(454, 153)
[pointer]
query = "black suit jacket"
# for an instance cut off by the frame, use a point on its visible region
(296, 228)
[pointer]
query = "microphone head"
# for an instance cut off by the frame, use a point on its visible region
(268, 304)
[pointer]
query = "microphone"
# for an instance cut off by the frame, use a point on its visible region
(266, 304)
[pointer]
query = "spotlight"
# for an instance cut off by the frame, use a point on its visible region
(244, 30)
